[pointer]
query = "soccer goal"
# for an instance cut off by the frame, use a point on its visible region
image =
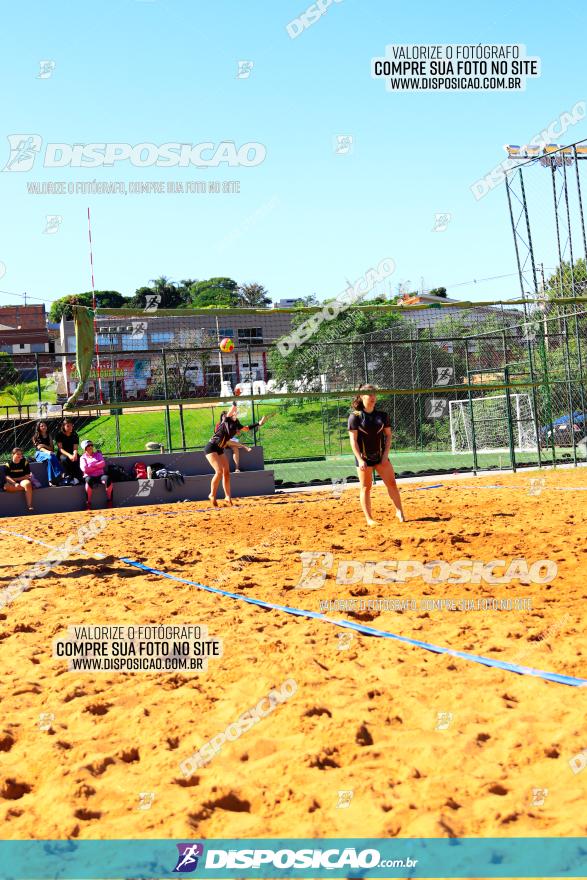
(489, 417)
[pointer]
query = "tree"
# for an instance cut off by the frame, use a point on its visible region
(342, 364)
(170, 295)
(438, 291)
(253, 296)
(17, 393)
(110, 299)
(186, 367)
(8, 374)
(221, 292)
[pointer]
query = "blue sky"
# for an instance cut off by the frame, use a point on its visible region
(306, 219)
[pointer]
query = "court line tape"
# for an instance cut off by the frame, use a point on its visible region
(370, 631)
(51, 546)
(348, 624)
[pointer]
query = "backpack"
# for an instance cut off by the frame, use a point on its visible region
(158, 466)
(117, 473)
(139, 470)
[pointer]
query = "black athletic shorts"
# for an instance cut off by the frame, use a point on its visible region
(213, 447)
(371, 462)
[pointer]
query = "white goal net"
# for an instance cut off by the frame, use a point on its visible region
(489, 416)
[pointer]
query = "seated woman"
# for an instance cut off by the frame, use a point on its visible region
(45, 451)
(18, 476)
(93, 468)
(67, 442)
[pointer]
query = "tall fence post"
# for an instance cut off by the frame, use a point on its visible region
(182, 426)
(166, 393)
(508, 403)
(39, 392)
(569, 389)
(252, 394)
(534, 400)
(470, 397)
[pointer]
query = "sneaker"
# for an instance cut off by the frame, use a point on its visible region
(75, 482)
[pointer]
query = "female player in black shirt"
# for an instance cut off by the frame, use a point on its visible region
(370, 436)
(214, 450)
(18, 476)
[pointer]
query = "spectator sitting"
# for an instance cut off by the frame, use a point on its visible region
(67, 442)
(18, 476)
(45, 452)
(93, 468)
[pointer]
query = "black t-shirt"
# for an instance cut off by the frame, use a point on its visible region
(370, 432)
(67, 441)
(17, 469)
(225, 432)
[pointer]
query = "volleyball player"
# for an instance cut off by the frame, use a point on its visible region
(214, 451)
(370, 436)
(235, 446)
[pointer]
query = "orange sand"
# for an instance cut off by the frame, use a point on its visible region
(362, 719)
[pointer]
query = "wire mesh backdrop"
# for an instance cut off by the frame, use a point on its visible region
(478, 390)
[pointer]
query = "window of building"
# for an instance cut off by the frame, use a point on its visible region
(134, 343)
(162, 337)
(250, 334)
(71, 343)
(226, 331)
(107, 340)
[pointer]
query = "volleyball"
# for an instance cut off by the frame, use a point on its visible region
(226, 345)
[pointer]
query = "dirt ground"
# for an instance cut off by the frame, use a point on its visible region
(427, 745)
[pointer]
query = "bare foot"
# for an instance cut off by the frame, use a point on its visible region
(372, 522)
(213, 500)
(229, 502)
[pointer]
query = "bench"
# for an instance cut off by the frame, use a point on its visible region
(253, 480)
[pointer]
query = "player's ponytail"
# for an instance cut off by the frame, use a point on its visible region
(357, 403)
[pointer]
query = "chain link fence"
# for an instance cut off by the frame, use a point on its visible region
(512, 395)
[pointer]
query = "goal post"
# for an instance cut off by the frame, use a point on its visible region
(487, 417)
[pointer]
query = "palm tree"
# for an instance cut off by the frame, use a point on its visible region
(17, 393)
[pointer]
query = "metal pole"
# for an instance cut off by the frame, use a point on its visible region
(508, 402)
(252, 394)
(39, 392)
(548, 398)
(580, 202)
(166, 392)
(534, 401)
(558, 236)
(182, 427)
(117, 426)
(470, 397)
(365, 364)
(530, 247)
(569, 388)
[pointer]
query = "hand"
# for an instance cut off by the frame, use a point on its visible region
(362, 465)
(262, 420)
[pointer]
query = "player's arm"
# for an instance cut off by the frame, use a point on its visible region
(355, 447)
(387, 447)
(258, 424)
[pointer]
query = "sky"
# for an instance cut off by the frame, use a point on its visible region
(307, 219)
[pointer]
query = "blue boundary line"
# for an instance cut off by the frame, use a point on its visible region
(370, 631)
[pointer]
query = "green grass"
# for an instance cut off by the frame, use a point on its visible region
(300, 431)
(32, 393)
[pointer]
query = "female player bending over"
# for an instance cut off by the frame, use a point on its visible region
(235, 445)
(370, 436)
(214, 450)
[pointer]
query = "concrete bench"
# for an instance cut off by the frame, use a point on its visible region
(197, 472)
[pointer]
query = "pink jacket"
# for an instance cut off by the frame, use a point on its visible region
(92, 465)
